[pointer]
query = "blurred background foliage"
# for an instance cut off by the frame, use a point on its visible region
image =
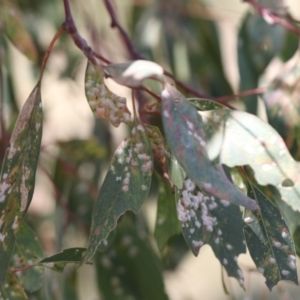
(214, 48)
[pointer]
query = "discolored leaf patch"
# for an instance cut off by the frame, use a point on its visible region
(269, 241)
(125, 186)
(208, 220)
(185, 134)
(18, 175)
(103, 102)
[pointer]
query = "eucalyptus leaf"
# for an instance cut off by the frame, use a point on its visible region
(125, 186)
(237, 138)
(209, 220)
(18, 175)
(269, 241)
(185, 134)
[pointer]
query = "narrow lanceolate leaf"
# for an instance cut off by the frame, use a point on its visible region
(10, 21)
(18, 175)
(269, 241)
(125, 187)
(58, 261)
(209, 220)
(186, 137)
(27, 252)
(167, 223)
(103, 102)
(133, 73)
(236, 138)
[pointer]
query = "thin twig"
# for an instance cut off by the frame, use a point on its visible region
(225, 99)
(274, 18)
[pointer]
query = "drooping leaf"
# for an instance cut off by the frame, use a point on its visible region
(236, 138)
(130, 269)
(187, 139)
(58, 261)
(27, 252)
(13, 26)
(103, 102)
(133, 73)
(125, 187)
(12, 290)
(209, 220)
(18, 175)
(283, 105)
(258, 43)
(167, 224)
(269, 241)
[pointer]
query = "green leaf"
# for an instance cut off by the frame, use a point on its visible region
(269, 241)
(58, 261)
(186, 137)
(236, 138)
(18, 175)
(133, 73)
(104, 104)
(206, 104)
(283, 105)
(27, 252)
(12, 290)
(125, 187)
(167, 224)
(209, 220)
(258, 43)
(130, 269)
(12, 24)
(175, 171)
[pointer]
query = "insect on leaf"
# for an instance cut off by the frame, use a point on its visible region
(125, 186)
(269, 241)
(133, 73)
(18, 175)
(237, 138)
(186, 137)
(208, 220)
(14, 29)
(103, 102)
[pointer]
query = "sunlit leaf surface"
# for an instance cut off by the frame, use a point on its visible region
(236, 138)
(269, 241)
